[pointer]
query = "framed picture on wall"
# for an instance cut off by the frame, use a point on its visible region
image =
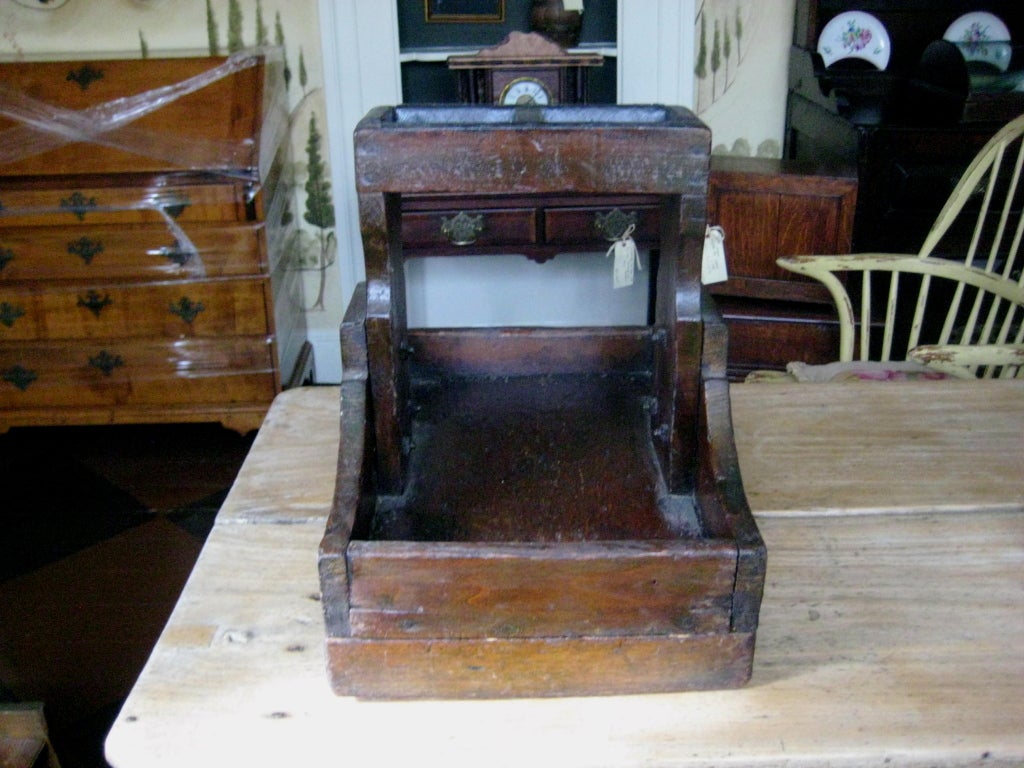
(465, 10)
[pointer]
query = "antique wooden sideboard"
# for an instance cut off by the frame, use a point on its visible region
(145, 231)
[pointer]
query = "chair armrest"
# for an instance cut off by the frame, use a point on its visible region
(963, 359)
(815, 264)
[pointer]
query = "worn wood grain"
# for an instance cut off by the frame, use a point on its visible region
(858, 448)
(485, 591)
(557, 666)
(889, 636)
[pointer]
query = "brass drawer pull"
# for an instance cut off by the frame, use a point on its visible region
(78, 204)
(85, 248)
(9, 313)
(613, 224)
(84, 76)
(94, 302)
(19, 377)
(186, 309)
(6, 257)
(462, 229)
(106, 362)
(176, 254)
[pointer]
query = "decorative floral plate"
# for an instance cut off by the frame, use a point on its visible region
(42, 5)
(855, 35)
(983, 37)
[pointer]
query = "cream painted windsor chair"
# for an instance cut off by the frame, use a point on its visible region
(956, 306)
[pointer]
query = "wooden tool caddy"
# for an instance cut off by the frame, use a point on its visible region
(537, 511)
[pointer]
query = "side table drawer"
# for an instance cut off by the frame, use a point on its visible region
(473, 226)
(64, 374)
(588, 225)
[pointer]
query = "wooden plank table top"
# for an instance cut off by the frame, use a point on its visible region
(892, 628)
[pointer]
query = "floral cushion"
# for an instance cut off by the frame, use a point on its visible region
(890, 370)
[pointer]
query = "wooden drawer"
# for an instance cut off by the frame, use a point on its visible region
(193, 371)
(595, 226)
(137, 252)
(134, 199)
(122, 311)
(486, 227)
(767, 336)
(588, 221)
(206, 127)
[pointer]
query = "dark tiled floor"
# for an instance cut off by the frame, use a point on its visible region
(99, 529)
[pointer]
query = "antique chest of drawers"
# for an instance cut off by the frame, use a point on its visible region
(145, 239)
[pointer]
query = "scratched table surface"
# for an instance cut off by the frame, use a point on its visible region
(891, 631)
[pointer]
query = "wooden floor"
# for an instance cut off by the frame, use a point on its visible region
(99, 529)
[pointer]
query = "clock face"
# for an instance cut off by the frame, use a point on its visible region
(525, 90)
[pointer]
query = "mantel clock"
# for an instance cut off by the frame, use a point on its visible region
(525, 68)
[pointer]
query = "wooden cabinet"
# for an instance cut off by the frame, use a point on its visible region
(145, 229)
(771, 208)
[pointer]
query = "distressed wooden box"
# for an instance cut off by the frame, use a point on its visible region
(537, 511)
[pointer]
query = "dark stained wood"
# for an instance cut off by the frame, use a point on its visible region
(767, 209)
(536, 511)
(530, 351)
(531, 458)
(768, 336)
(536, 590)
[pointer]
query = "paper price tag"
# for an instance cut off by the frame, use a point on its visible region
(713, 267)
(626, 258)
